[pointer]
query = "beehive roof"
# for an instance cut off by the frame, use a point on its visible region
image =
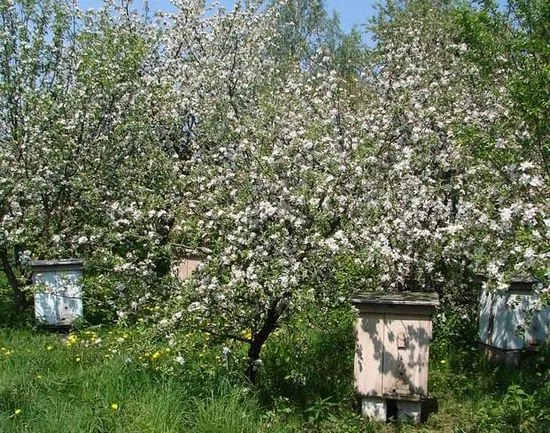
(56, 264)
(397, 298)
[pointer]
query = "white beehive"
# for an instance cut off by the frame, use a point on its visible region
(508, 322)
(391, 360)
(58, 297)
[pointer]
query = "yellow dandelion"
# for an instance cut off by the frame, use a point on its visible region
(247, 334)
(443, 361)
(114, 406)
(71, 339)
(17, 412)
(38, 376)
(156, 355)
(49, 348)
(77, 359)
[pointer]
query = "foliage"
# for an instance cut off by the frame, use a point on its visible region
(496, 397)
(81, 173)
(510, 45)
(270, 213)
(48, 386)
(301, 164)
(295, 168)
(308, 378)
(232, 410)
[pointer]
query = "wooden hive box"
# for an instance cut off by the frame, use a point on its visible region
(58, 298)
(510, 323)
(186, 267)
(393, 333)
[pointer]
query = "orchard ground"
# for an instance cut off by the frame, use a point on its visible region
(119, 379)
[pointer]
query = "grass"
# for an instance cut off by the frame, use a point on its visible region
(54, 390)
(127, 383)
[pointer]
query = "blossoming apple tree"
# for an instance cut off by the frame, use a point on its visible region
(81, 173)
(293, 166)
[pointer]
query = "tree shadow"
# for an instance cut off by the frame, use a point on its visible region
(399, 354)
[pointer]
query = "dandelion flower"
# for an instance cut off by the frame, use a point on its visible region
(17, 411)
(114, 406)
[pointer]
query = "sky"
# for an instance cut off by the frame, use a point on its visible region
(351, 12)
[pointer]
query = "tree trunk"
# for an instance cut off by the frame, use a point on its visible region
(253, 357)
(18, 295)
(275, 311)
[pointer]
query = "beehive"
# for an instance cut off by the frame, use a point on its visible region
(58, 297)
(185, 268)
(393, 332)
(509, 323)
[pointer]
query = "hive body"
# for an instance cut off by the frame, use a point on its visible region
(392, 352)
(58, 297)
(510, 321)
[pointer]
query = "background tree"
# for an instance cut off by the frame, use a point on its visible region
(84, 167)
(510, 46)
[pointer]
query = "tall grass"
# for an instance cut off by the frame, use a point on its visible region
(227, 410)
(45, 388)
(306, 386)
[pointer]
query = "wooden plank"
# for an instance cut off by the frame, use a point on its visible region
(423, 311)
(368, 363)
(405, 372)
(56, 265)
(186, 267)
(397, 298)
(46, 304)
